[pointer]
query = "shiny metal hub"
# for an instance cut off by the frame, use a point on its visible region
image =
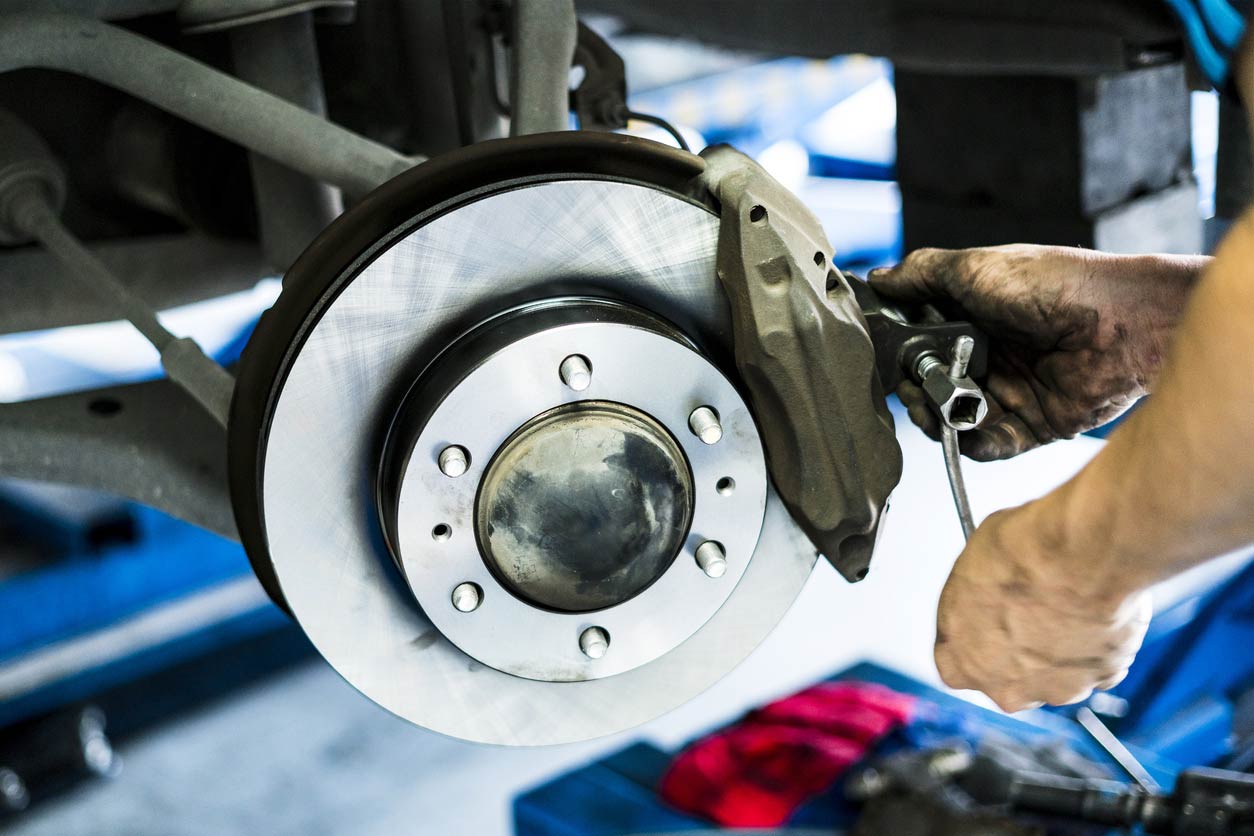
(573, 502)
(585, 506)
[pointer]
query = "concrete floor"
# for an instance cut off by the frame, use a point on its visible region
(303, 754)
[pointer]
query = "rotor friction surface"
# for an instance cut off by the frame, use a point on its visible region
(323, 441)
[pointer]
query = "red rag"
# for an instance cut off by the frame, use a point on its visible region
(757, 772)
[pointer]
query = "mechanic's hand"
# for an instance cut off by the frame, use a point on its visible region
(1077, 336)
(1028, 627)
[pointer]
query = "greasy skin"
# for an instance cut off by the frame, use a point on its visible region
(1048, 601)
(1012, 625)
(1079, 335)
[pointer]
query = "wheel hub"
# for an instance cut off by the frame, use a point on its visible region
(584, 507)
(578, 508)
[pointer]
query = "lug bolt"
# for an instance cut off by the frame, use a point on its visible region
(454, 461)
(467, 597)
(594, 642)
(704, 425)
(576, 372)
(712, 559)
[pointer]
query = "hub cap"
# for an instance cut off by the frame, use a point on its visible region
(585, 507)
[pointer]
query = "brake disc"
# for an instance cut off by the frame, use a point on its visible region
(489, 449)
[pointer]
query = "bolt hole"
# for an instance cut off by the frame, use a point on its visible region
(819, 259)
(726, 486)
(757, 214)
(104, 407)
(832, 283)
(861, 573)
(441, 533)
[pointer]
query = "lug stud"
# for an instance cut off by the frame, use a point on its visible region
(594, 642)
(576, 372)
(704, 425)
(467, 597)
(454, 461)
(712, 559)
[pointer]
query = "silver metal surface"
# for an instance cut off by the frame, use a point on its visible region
(453, 461)
(712, 559)
(961, 356)
(962, 406)
(516, 383)
(594, 642)
(1114, 747)
(575, 372)
(585, 506)
(323, 440)
(467, 597)
(959, 401)
(705, 425)
(957, 484)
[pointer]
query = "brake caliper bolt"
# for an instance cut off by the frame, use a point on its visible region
(576, 372)
(467, 597)
(454, 461)
(704, 425)
(712, 559)
(594, 642)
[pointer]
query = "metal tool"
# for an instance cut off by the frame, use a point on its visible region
(961, 405)
(942, 357)
(1114, 747)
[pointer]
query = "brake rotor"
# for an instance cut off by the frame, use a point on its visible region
(489, 451)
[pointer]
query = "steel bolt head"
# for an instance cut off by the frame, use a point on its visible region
(454, 461)
(712, 559)
(576, 372)
(594, 642)
(467, 597)
(705, 425)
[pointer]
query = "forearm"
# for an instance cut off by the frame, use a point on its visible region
(1152, 293)
(1175, 485)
